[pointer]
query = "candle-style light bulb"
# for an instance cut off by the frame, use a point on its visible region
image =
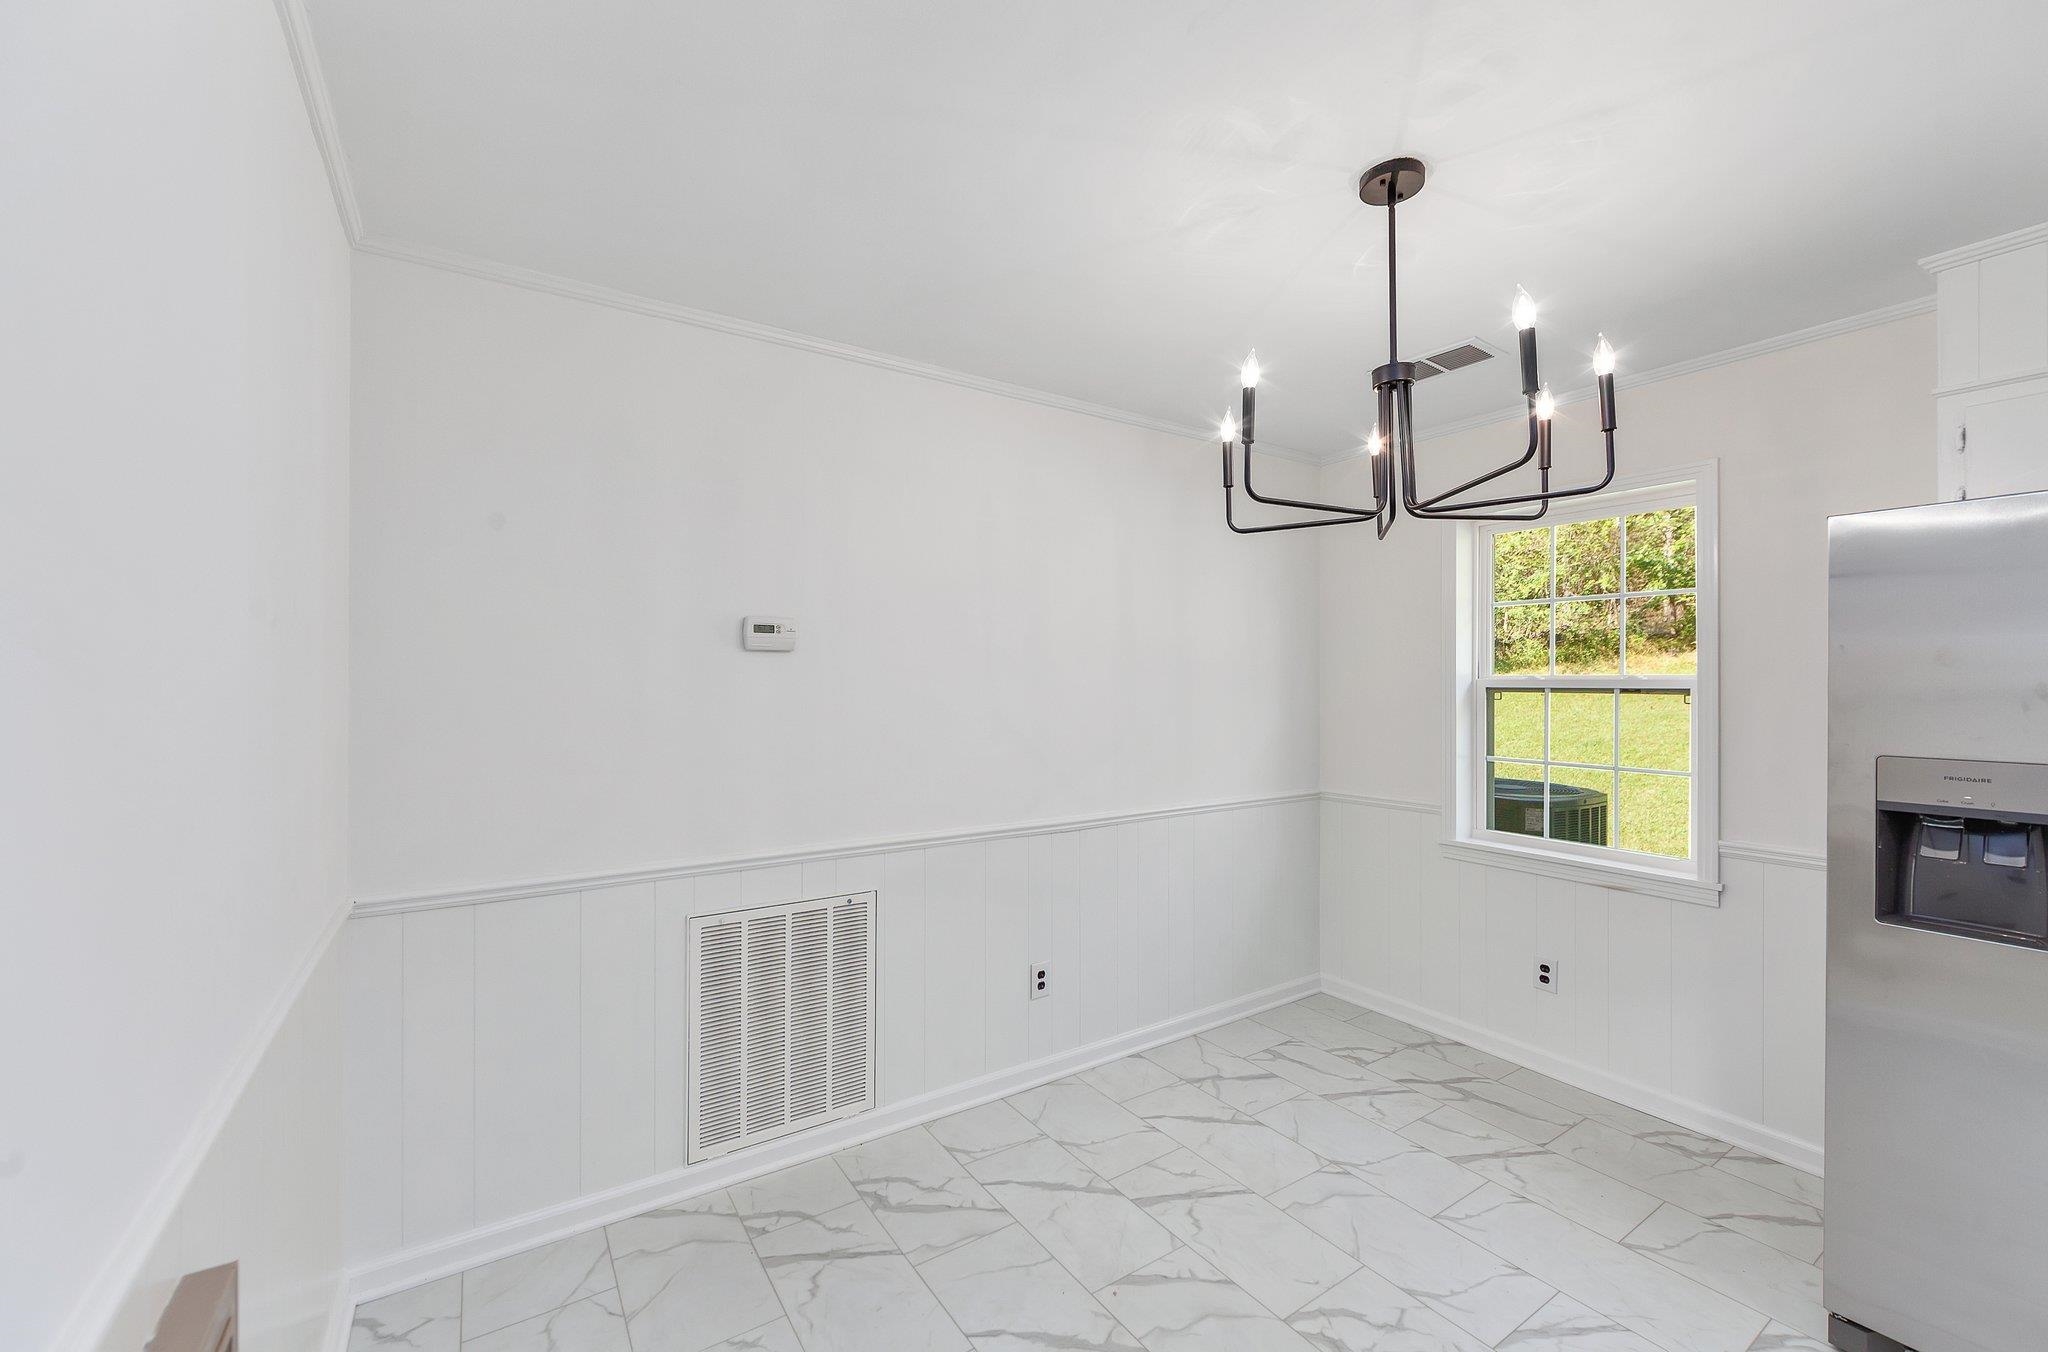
(1603, 357)
(1248, 374)
(1227, 429)
(1523, 311)
(1374, 442)
(1546, 406)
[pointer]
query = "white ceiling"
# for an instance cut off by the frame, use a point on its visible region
(1112, 199)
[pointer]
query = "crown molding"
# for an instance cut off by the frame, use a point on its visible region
(298, 41)
(470, 265)
(1905, 309)
(1985, 248)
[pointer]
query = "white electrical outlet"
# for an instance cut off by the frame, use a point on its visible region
(1547, 977)
(1040, 982)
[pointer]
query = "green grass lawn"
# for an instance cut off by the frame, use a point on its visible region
(1649, 813)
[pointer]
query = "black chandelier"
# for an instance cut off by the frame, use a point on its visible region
(1392, 443)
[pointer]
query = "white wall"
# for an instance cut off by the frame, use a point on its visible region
(173, 429)
(1007, 612)
(1008, 615)
(1716, 1012)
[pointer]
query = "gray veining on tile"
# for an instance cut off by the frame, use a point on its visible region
(1242, 1146)
(1706, 1191)
(534, 1282)
(1181, 1303)
(1096, 1231)
(1462, 1281)
(1324, 1003)
(1281, 1263)
(922, 1196)
(1392, 1163)
(1564, 1325)
(1242, 1037)
(1602, 1204)
(1797, 1184)
(1531, 1118)
(688, 1278)
(1619, 1115)
(1327, 1034)
(1008, 1294)
(1093, 1129)
(1128, 1078)
(801, 1192)
(775, 1337)
(1751, 1271)
(988, 1130)
(593, 1324)
(847, 1289)
(1644, 1296)
(1390, 1028)
(1363, 1091)
(1234, 1080)
(1367, 1313)
(1777, 1338)
(423, 1319)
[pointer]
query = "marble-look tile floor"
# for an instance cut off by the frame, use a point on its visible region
(1316, 1178)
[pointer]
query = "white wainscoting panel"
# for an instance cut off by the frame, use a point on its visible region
(1708, 1015)
(514, 1058)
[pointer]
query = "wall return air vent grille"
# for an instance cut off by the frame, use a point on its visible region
(782, 1020)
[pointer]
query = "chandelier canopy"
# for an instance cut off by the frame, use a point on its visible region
(1392, 443)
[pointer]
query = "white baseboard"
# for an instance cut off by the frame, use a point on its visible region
(456, 1253)
(1792, 1150)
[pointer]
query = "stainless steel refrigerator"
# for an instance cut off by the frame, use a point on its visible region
(1937, 1050)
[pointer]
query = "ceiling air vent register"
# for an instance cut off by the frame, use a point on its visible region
(1471, 352)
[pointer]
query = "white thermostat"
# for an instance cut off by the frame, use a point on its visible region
(768, 634)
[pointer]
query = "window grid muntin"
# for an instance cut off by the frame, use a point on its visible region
(1550, 680)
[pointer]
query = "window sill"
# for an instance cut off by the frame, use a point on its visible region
(1615, 876)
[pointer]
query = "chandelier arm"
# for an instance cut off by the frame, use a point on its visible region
(1230, 510)
(1546, 494)
(1355, 513)
(1461, 511)
(1490, 475)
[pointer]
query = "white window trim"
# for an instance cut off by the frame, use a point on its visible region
(1697, 879)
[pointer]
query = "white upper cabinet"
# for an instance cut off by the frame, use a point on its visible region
(1991, 396)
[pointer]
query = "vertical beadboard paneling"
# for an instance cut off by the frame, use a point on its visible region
(439, 1074)
(1154, 912)
(620, 955)
(674, 903)
(1589, 975)
(535, 1050)
(1006, 953)
(1639, 988)
(1717, 995)
(955, 965)
(528, 1051)
(1472, 975)
(1721, 1006)
(1556, 1026)
(372, 1085)
(1795, 940)
(1041, 1015)
(1442, 923)
(1099, 929)
(1179, 937)
(1401, 849)
(1510, 949)
(902, 1042)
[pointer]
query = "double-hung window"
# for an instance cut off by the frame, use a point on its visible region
(1588, 727)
